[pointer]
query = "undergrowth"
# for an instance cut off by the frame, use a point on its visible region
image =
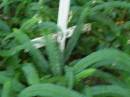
(94, 64)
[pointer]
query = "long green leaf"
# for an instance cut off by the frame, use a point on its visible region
(7, 89)
(48, 90)
(69, 77)
(37, 57)
(107, 77)
(110, 90)
(54, 54)
(31, 74)
(107, 55)
(112, 4)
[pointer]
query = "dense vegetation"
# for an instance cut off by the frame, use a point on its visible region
(95, 63)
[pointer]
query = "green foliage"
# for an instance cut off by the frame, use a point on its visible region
(6, 89)
(54, 55)
(111, 90)
(48, 90)
(32, 77)
(35, 53)
(108, 56)
(94, 64)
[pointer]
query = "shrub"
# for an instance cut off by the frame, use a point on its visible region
(100, 71)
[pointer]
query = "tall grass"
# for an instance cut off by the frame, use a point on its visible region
(26, 71)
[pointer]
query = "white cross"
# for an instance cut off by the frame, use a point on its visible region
(62, 22)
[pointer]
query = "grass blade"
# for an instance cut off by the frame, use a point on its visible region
(7, 89)
(30, 74)
(111, 90)
(48, 90)
(106, 55)
(37, 57)
(54, 54)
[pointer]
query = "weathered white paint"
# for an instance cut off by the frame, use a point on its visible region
(39, 41)
(62, 22)
(63, 14)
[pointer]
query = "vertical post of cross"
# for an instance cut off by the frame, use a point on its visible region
(62, 22)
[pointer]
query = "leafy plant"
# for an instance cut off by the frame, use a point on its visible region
(26, 71)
